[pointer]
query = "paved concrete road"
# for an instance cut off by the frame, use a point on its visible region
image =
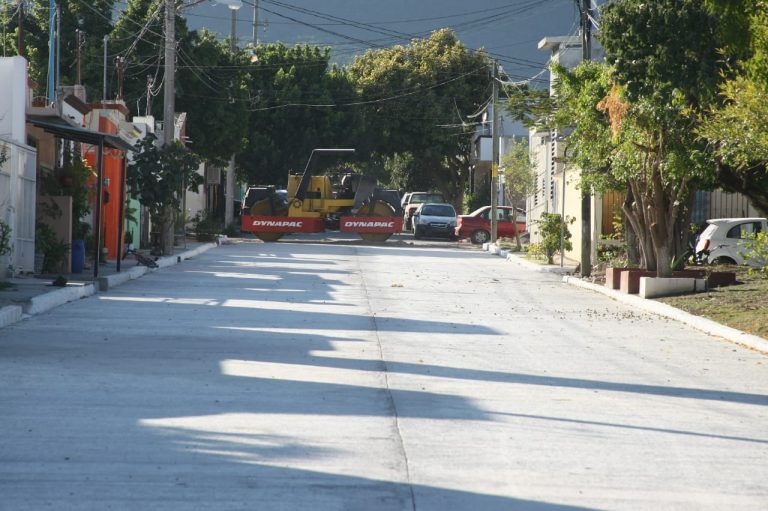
(295, 376)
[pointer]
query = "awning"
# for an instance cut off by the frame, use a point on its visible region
(62, 129)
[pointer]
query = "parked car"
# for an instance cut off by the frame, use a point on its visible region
(414, 200)
(477, 225)
(724, 240)
(404, 199)
(432, 220)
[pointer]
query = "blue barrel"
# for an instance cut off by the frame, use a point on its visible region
(78, 256)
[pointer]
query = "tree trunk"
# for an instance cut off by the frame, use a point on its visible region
(633, 249)
(636, 212)
(630, 235)
(166, 230)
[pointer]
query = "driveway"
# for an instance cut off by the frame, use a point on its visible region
(396, 377)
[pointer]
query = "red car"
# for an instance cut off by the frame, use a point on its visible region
(477, 225)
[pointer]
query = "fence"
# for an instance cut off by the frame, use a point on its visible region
(17, 204)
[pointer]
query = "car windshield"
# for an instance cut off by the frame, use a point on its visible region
(418, 198)
(438, 210)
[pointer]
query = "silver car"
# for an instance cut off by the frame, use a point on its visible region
(725, 240)
(432, 219)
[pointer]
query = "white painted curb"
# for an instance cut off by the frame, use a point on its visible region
(662, 309)
(10, 314)
(105, 283)
(58, 297)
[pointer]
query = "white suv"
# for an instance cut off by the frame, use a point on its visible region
(434, 220)
(725, 239)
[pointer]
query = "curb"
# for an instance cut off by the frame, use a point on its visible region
(662, 309)
(48, 301)
(12, 313)
(519, 260)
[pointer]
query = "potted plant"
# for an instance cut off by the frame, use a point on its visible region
(54, 251)
(5, 240)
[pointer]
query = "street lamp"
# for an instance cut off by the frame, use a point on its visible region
(229, 193)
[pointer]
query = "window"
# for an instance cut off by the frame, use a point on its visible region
(744, 230)
(438, 210)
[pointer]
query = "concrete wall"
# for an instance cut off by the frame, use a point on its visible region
(17, 175)
(13, 98)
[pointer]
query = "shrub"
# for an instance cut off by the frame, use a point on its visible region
(5, 238)
(54, 250)
(757, 249)
(550, 227)
(536, 251)
(206, 227)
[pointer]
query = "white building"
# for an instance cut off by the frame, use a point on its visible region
(17, 174)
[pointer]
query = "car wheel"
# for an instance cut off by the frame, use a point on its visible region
(723, 260)
(480, 236)
(417, 233)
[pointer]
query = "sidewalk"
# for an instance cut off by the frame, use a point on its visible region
(648, 305)
(30, 295)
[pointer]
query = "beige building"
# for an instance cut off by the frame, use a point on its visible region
(557, 187)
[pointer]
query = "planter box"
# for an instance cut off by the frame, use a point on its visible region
(627, 280)
(653, 287)
(613, 276)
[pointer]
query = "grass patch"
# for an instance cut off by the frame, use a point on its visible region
(5, 285)
(743, 306)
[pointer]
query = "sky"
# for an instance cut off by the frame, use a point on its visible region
(509, 30)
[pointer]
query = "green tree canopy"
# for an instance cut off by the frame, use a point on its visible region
(296, 102)
(157, 175)
(415, 99)
(735, 128)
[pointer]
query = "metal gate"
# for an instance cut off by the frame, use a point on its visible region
(17, 204)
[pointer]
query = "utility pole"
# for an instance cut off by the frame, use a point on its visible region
(229, 184)
(255, 23)
(20, 40)
(80, 39)
(169, 106)
(58, 49)
(494, 151)
(120, 64)
(104, 85)
(586, 196)
(150, 84)
(51, 51)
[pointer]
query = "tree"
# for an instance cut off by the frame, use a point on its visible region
(662, 70)
(216, 118)
(519, 177)
(156, 177)
(93, 18)
(296, 102)
(414, 98)
(735, 127)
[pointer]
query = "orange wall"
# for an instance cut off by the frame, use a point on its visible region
(113, 161)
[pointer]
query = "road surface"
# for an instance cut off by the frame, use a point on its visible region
(305, 376)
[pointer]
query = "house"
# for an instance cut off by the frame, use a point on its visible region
(18, 181)
(482, 150)
(557, 187)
